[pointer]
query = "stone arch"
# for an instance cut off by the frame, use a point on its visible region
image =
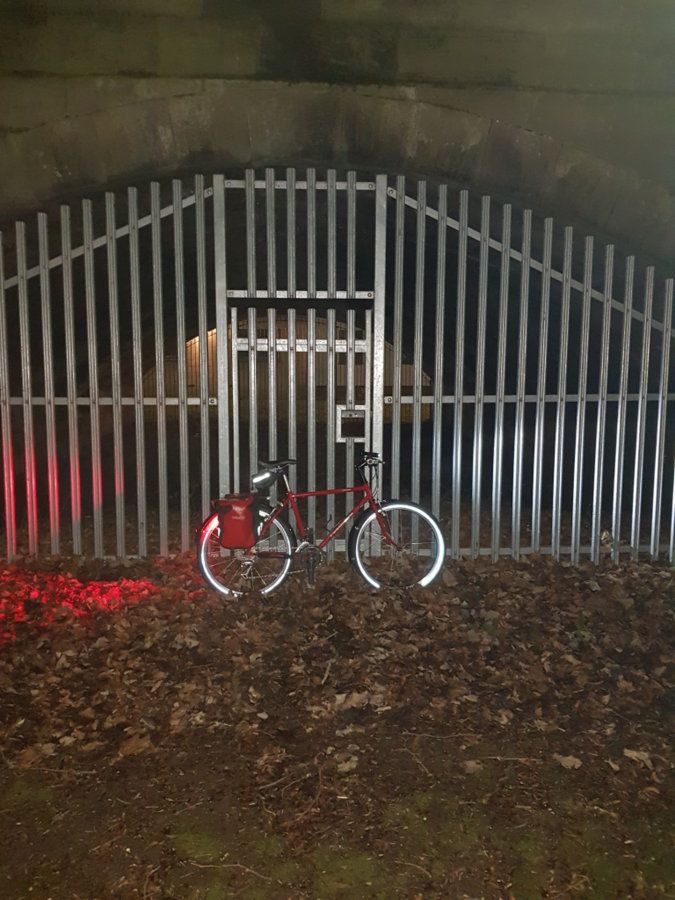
(136, 130)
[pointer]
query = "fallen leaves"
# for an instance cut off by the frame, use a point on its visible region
(530, 657)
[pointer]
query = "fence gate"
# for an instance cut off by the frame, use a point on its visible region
(305, 327)
(155, 344)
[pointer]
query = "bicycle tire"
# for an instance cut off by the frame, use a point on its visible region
(389, 566)
(227, 581)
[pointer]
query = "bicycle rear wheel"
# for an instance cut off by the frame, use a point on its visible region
(407, 549)
(259, 570)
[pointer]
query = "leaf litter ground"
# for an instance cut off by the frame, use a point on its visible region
(500, 734)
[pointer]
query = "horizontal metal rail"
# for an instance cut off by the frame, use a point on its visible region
(467, 399)
(529, 398)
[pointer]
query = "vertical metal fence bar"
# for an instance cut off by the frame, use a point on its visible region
(398, 338)
(661, 425)
(291, 288)
(50, 407)
(671, 547)
(71, 382)
(158, 309)
(459, 374)
(330, 348)
(580, 432)
(518, 445)
(377, 436)
(222, 362)
(311, 341)
(27, 392)
(638, 470)
(477, 471)
(562, 393)
(234, 356)
(94, 402)
(137, 338)
(351, 315)
(617, 493)
(418, 338)
(368, 368)
(116, 379)
(270, 216)
(498, 451)
(252, 324)
(181, 352)
(537, 470)
(598, 469)
(6, 424)
(441, 253)
(202, 331)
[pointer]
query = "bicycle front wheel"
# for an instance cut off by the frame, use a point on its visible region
(260, 569)
(401, 546)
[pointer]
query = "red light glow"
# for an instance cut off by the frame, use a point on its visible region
(44, 597)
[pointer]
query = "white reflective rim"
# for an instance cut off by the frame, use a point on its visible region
(435, 569)
(207, 531)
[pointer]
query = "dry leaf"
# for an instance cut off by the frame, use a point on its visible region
(137, 743)
(26, 758)
(640, 756)
(567, 762)
(472, 766)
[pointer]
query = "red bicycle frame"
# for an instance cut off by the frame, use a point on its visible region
(289, 501)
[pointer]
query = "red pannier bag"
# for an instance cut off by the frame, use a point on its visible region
(238, 520)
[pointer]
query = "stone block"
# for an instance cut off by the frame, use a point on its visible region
(538, 17)
(206, 48)
(76, 45)
(558, 62)
(583, 190)
(183, 8)
(26, 102)
(449, 141)
(211, 128)
(300, 125)
(29, 173)
(168, 47)
(515, 162)
(88, 95)
(311, 51)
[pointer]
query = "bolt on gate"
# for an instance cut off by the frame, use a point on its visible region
(155, 344)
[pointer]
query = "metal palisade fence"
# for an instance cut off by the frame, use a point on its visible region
(155, 344)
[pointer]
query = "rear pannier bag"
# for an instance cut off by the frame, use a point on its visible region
(239, 520)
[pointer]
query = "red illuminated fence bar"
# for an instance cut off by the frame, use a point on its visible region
(515, 377)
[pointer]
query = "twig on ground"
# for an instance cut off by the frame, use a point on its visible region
(522, 759)
(314, 800)
(327, 672)
(147, 879)
(418, 761)
(230, 866)
(415, 866)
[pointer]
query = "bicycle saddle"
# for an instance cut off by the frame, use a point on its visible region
(277, 465)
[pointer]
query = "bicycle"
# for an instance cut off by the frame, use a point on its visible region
(391, 543)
